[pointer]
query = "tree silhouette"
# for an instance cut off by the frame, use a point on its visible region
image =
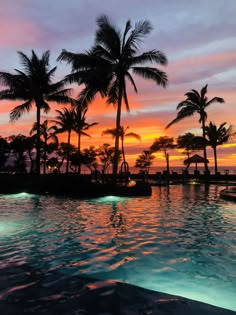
(81, 126)
(163, 144)
(196, 102)
(65, 121)
(34, 86)
(189, 142)
(47, 133)
(216, 136)
(123, 134)
(144, 160)
(107, 67)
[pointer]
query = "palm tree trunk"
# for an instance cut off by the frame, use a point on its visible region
(123, 149)
(68, 152)
(44, 156)
(79, 149)
(215, 158)
(118, 117)
(38, 141)
(204, 144)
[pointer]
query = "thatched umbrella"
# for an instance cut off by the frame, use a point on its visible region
(195, 159)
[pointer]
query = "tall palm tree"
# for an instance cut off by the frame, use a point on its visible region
(216, 136)
(107, 67)
(65, 121)
(196, 102)
(80, 125)
(34, 86)
(47, 133)
(123, 134)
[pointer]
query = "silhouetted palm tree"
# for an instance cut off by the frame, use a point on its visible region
(107, 67)
(163, 144)
(47, 133)
(123, 134)
(196, 103)
(144, 160)
(34, 86)
(65, 122)
(80, 125)
(216, 136)
(106, 154)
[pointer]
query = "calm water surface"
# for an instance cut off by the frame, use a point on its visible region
(181, 240)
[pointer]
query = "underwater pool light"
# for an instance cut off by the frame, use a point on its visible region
(110, 198)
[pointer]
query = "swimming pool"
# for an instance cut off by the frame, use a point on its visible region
(181, 240)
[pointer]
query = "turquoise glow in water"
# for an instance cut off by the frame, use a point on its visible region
(180, 240)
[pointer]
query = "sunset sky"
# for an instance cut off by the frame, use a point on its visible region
(198, 38)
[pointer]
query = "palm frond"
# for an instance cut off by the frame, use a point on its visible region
(25, 61)
(111, 132)
(215, 100)
(183, 113)
(133, 135)
(8, 79)
(101, 52)
(126, 31)
(131, 80)
(153, 74)
(87, 95)
(153, 56)
(44, 106)
(85, 134)
(141, 29)
(188, 103)
(19, 110)
(125, 97)
(108, 36)
(204, 91)
(113, 92)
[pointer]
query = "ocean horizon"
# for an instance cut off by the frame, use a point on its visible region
(154, 169)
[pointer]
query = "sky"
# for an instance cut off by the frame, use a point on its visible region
(198, 38)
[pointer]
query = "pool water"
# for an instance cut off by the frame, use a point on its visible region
(181, 240)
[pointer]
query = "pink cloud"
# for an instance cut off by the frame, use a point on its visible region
(17, 33)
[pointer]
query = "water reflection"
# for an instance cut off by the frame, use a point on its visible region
(180, 237)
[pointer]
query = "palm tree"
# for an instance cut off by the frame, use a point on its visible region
(216, 136)
(80, 125)
(106, 68)
(65, 121)
(34, 86)
(144, 160)
(196, 103)
(106, 155)
(163, 144)
(47, 133)
(123, 134)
